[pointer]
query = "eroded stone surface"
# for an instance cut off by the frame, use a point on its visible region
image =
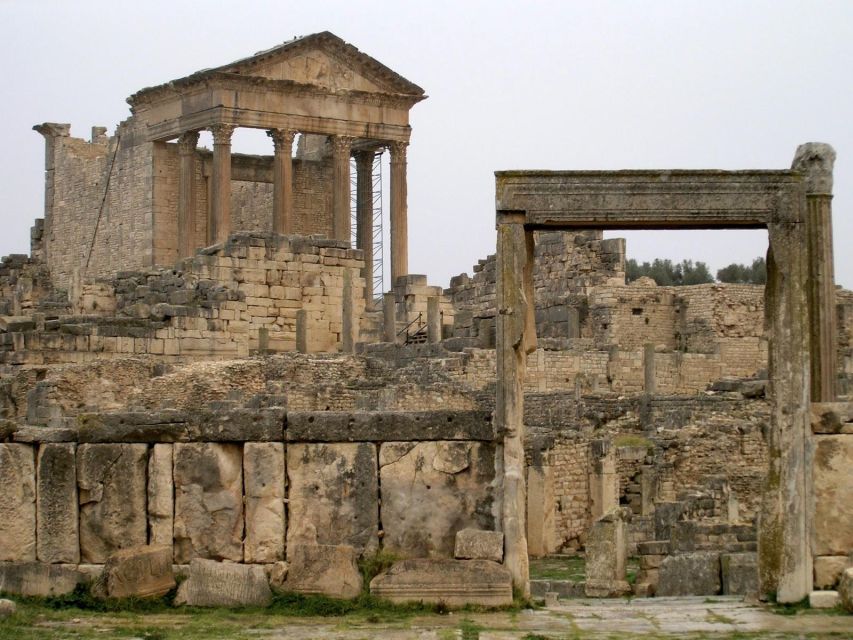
(161, 500)
(38, 578)
(828, 570)
(473, 544)
(823, 599)
(263, 471)
(17, 503)
(111, 490)
(57, 538)
(833, 495)
(431, 490)
(452, 582)
(141, 571)
(690, 574)
(7, 608)
(333, 495)
(739, 573)
(606, 554)
(845, 590)
(208, 502)
(224, 584)
(323, 569)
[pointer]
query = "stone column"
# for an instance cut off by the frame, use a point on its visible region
(399, 213)
(186, 194)
(364, 216)
(341, 146)
(282, 180)
(220, 201)
(649, 369)
(434, 319)
(815, 161)
(516, 338)
(388, 316)
(349, 322)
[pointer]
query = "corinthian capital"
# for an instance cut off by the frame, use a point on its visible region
(341, 145)
(398, 152)
(282, 139)
(187, 142)
(222, 133)
(815, 161)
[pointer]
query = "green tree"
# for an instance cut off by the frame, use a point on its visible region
(756, 273)
(667, 274)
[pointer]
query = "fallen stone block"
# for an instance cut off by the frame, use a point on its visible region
(7, 608)
(473, 544)
(454, 583)
(606, 554)
(143, 571)
(690, 574)
(828, 570)
(38, 579)
(845, 590)
(328, 570)
(739, 573)
(224, 584)
(823, 599)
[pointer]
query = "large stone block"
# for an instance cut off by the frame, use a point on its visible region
(161, 495)
(57, 538)
(142, 572)
(263, 472)
(333, 495)
(38, 579)
(323, 569)
(208, 502)
(224, 584)
(360, 426)
(454, 583)
(739, 573)
(690, 574)
(472, 544)
(828, 570)
(112, 493)
(833, 495)
(606, 555)
(845, 590)
(431, 490)
(17, 502)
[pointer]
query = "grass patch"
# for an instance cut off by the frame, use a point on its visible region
(632, 440)
(470, 630)
(572, 568)
(717, 618)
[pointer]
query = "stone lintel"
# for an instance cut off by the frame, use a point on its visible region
(382, 426)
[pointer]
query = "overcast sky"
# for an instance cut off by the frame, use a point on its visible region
(512, 85)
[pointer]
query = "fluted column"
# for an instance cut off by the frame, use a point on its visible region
(341, 146)
(186, 196)
(815, 161)
(399, 213)
(282, 180)
(220, 200)
(364, 216)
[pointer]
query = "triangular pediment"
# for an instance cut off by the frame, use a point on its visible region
(326, 61)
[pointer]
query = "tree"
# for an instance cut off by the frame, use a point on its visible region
(756, 273)
(665, 273)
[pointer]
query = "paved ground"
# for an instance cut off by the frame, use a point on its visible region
(639, 618)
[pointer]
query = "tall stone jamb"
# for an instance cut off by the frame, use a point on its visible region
(389, 326)
(186, 193)
(161, 501)
(399, 212)
(784, 554)
(349, 322)
(264, 479)
(516, 338)
(815, 161)
(57, 537)
(220, 194)
(282, 180)
(364, 216)
(17, 503)
(341, 147)
(434, 319)
(649, 369)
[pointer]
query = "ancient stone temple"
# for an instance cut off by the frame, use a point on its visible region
(148, 195)
(197, 378)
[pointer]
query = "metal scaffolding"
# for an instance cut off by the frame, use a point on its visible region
(378, 235)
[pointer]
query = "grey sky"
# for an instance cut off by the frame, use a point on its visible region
(512, 85)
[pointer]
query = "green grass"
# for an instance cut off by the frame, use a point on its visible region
(631, 440)
(553, 568)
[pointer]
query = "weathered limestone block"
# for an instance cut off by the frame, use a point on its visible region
(263, 471)
(208, 502)
(845, 590)
(141, 571)
(7, 608)
(360, 426)
(38, 578)
(323, 569)
(453, 582)
(161, 500)
(690, 574)
(111, 491)
(224, 584)
(832, 417)
(431, 490)
(57, 537)
(473, 544)
(828, 570)
(606, 555)
(739, 573)
(333, 495)
(541, 510)
(823, 599)
(17, 502)
(833, 495)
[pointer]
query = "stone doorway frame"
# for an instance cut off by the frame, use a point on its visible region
(795, 207)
